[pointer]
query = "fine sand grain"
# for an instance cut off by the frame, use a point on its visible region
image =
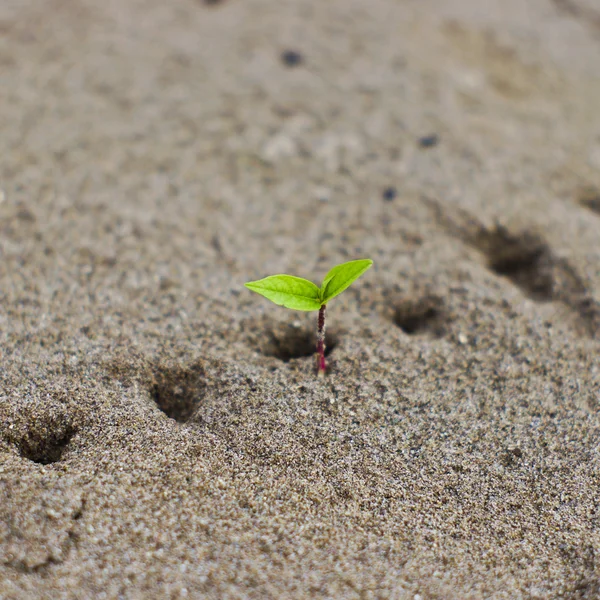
(162, 431)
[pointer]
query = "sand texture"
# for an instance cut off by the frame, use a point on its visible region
(162, 430)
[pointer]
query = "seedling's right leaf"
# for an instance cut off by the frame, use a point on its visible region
(289, 291)
(341, 277)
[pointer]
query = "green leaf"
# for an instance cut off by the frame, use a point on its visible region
(341, 277)
(289, 291)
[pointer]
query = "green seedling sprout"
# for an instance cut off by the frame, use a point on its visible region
(300, 294)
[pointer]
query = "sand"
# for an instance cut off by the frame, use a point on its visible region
(162, 430)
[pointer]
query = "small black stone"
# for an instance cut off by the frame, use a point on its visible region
(389, 193)
(429, 141)
(291, 58)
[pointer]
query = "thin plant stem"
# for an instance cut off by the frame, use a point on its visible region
(322, 366)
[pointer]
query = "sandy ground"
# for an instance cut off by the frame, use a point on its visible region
(162, 431)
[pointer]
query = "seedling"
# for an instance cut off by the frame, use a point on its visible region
(300, 294)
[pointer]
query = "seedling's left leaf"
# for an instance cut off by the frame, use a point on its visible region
(341, 277)
(289, 291)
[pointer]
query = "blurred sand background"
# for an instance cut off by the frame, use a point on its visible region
(162, 432)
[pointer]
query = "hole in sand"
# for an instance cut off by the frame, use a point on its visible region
(524, 259)
(528, 262)
(589, 197)
(422, 316)
(177, 390)
(291, 342)
(45, 442)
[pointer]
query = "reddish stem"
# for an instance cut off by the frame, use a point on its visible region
(321, 342)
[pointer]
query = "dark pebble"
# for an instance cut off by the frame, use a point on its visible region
(291, 58)
(429, 141)
(389, 193)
